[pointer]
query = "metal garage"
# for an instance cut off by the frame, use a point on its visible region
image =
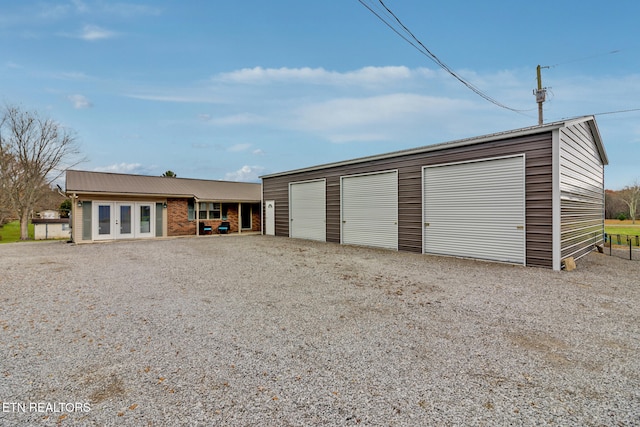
(370, 209)
(476, 218)
(308, 210)
(532, 196)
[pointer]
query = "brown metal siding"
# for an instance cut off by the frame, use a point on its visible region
(581, 191)
(538, 170)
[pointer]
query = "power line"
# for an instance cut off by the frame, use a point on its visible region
(418, 45)
(617, 112)
(597, 55)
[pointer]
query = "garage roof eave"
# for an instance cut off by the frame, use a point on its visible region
(461, 143)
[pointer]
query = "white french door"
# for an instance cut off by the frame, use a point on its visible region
(123, 220)
(103, 221)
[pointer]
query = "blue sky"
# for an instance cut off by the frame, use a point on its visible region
(237, 89)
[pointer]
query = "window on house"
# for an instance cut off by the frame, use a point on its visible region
(209, 210)
(214, 210)
(191, 210)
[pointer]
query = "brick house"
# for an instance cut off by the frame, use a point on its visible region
(110, 206)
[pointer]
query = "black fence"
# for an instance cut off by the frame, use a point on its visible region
(623, 246)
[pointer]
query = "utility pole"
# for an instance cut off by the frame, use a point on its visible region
(540, 94)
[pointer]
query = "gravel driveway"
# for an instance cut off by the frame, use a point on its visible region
(258, 330)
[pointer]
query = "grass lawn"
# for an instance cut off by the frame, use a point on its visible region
(624, 228)
(11, 232)
(614, 226)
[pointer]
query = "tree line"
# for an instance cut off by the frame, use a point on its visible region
(623, 204)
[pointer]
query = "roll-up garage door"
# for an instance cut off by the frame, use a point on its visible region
(476, 209)
(370, 209)
(307, 210)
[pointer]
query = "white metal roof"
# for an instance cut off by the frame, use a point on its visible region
(468, 141)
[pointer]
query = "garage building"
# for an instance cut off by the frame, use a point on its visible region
(531, 196)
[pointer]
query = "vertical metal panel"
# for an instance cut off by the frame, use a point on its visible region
(307, 210)
(581, 180)
(476, 209)
(370, 209)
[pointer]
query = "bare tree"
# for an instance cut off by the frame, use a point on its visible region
(6, 212)
(630, 195)
(34, 151)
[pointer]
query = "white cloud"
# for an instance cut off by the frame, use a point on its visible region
(239, 147)
(258, 152)
(80, 102)
(374, 112)
(130, 168)
(245, 174)
(363, 76)
(237, 119)
(196, 99)
(93, 32)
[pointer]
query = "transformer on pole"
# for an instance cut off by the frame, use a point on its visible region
(541, 94)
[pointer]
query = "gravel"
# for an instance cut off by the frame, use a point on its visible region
(260, 330)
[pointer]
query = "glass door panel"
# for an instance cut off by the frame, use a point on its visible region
(124, 221)
(103, 220)
(145, 219)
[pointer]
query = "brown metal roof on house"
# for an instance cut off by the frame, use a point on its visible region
(85, 182)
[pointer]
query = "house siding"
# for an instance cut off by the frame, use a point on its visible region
(538, 192)
(581, 177)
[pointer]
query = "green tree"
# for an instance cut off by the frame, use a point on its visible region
(65, 208)
(34, 151)
(170, 174)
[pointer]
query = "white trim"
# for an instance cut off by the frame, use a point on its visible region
(556, 196)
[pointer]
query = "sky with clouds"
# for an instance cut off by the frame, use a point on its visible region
(235, 90)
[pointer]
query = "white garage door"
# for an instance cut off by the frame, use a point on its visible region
(476, 209)
(370, 210)
(307, 211)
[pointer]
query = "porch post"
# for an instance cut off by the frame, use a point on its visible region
(196, 206)
(239, 218)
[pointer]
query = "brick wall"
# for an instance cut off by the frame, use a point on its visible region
(178, 223)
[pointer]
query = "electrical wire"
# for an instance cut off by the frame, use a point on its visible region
(418, 45)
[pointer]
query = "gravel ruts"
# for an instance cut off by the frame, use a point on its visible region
(258, 330)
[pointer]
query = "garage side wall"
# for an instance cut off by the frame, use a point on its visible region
(538, 193)
(581, 178)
